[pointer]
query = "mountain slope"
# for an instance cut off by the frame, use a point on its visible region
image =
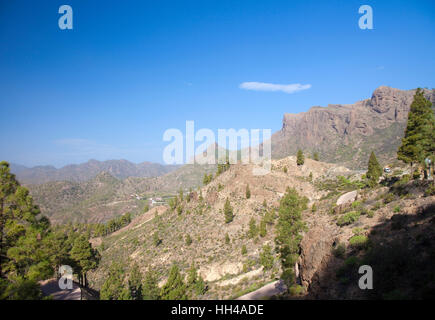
(346, 134)
(82, 172)
(222, 264)
(397, 211)
(104, 197)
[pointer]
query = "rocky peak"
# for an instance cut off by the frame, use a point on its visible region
(343, 133)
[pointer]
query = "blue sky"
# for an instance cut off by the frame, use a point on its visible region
(129, 70)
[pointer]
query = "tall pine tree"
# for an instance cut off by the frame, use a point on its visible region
(85, 256)
(23, 256)
(289, 228)
(374, 170)
(419, 140)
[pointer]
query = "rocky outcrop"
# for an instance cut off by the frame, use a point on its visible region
(316, 251)
(347, 134)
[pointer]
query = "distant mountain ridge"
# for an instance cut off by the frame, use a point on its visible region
(120, 169)
(347, 133)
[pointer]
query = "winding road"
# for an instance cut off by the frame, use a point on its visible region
(266, 291)
(51, 288)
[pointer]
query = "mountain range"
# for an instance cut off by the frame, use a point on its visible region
(120, 169)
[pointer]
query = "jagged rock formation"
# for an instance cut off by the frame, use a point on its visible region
(346, 134)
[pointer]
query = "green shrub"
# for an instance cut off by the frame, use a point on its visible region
(389, 197)
(359, 241)
(227, 239)
(396, 209)
(377, 206)
(188, 240)
(430, 191)
(179, 210)
(363, 211)
(357, 231)
(296, 290)
(405, 179)
(156, 239)
(416, 175)
(351, 261)
(248, 192)
(244, 250)
(370, 214)
(356, 204)
(339, 251)
(397, 172)
(348, 218)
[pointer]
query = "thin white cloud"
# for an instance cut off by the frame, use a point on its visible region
(263, 86)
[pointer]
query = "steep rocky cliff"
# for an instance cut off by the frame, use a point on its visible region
(346, 134)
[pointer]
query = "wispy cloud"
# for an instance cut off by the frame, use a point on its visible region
(263, 86)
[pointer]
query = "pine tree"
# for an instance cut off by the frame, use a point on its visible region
(252, 233)
(174, 288)
(263, 229)
(85, 257)
(135, 283)
(419, 140)
(248, 192)
(150, 290)
(300, 159)
(266, 257)
(289, 228)
(24, 255)
(374, 170)
(228, 211)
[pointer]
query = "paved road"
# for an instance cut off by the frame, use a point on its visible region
(267, 291)
(51, 287)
